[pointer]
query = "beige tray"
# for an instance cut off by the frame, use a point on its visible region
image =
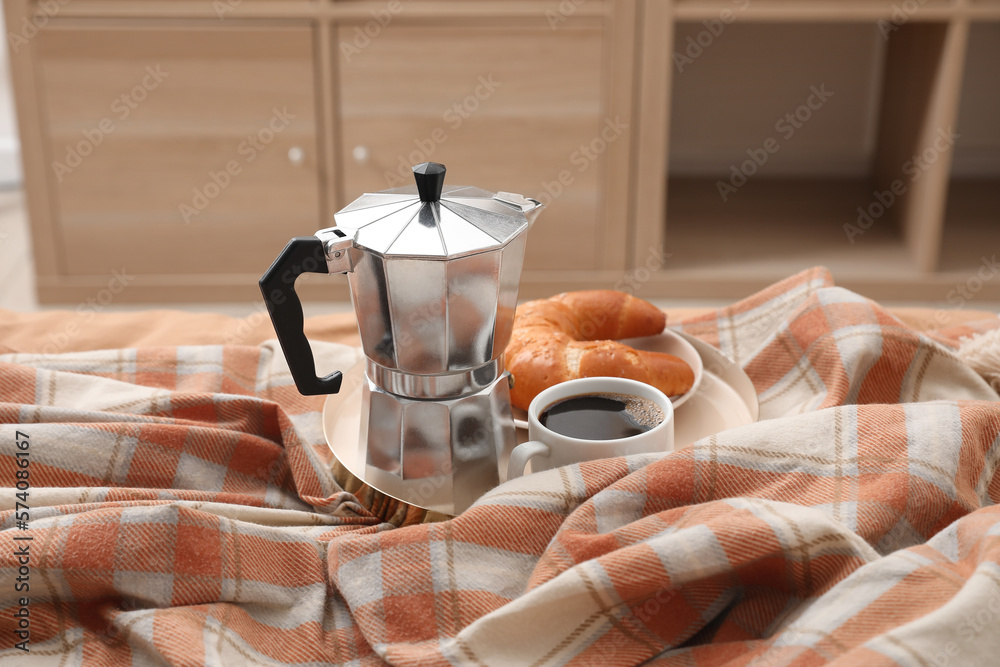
(724, 399)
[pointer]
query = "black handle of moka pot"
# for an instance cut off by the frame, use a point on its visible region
(303, 254)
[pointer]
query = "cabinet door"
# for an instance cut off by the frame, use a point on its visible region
(504, 107)
(182, 149)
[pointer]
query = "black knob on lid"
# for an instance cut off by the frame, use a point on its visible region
(430, 180)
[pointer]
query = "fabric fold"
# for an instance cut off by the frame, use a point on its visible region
(179, 507)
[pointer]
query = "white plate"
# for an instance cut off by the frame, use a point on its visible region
(669, 342)
(725, 397)
(725, 400)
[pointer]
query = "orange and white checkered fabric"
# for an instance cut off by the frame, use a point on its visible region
(181, 510)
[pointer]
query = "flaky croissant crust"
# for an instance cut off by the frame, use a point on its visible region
(570, 335)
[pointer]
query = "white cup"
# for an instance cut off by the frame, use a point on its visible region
(548, 449)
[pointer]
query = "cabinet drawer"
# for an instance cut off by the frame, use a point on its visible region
(179, 149)
(505, 108)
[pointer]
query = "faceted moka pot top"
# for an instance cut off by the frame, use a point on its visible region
(434, 271)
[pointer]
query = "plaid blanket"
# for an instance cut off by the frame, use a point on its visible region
(177, 506)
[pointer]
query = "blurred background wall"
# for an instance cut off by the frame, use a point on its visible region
(684, 149)
(10, 157)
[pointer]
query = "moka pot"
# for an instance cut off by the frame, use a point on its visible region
(434, 274)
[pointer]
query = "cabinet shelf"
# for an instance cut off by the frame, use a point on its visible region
(971, 228)
(780, 226)
(883, 147)
(736, 210)
(783, 10)
(776, 227)
(972, 224)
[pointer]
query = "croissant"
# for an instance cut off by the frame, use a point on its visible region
(567, 336)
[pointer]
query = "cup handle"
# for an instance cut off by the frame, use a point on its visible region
(523, 453)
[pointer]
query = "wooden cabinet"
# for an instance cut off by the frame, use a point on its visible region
(178, 149)
(892, 185)
(504, 108)
(260, 120)
(571, 102)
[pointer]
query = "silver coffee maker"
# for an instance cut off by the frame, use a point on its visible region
(434, 274)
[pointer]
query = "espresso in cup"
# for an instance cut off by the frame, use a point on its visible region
(602, 416)
(593, 418)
